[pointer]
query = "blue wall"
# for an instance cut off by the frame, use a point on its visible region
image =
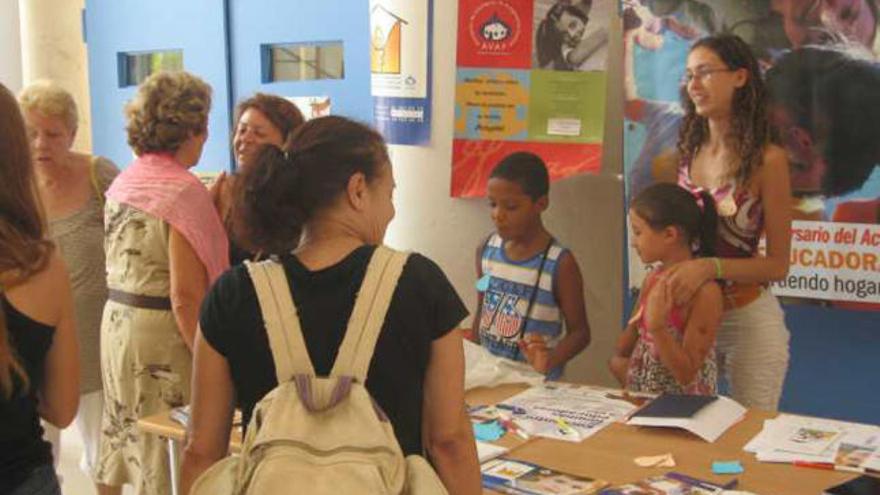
(835, 363)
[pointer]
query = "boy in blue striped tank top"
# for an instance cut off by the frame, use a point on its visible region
(527, 282)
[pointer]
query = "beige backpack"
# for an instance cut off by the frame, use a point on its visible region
(322, 435)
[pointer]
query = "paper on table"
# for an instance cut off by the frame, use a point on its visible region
(488, 451)
(852, 448)
(541, 410)
(873, 462)
(708, 423)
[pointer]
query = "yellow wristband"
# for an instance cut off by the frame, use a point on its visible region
(718, 272)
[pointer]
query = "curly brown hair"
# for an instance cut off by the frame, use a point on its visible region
(750, 129)
(281, 112)
(168, 108)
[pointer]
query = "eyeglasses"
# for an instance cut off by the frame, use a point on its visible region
(702, 74)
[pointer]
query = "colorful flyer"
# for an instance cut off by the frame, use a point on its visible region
(531, 77)
(492, 104)
(400, 64)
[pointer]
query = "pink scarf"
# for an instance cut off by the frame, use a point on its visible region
(159, 185)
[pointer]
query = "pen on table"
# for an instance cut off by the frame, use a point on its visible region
(511, 425)
(815, 465)
(830, 466)
(567, 429)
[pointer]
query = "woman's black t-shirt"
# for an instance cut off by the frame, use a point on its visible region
(424, 307)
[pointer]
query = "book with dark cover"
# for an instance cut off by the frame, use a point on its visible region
(863, 485)
(675, 406)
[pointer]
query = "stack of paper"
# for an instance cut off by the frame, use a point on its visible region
(488, 451)
(818, 442)
(565, 411)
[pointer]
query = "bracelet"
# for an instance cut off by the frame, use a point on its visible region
(718, 273)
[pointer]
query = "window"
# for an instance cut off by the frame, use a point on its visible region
(303, 61)
(134, 67)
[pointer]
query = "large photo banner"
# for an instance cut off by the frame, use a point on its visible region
(400, 65)
(531, 77)
(820, 62)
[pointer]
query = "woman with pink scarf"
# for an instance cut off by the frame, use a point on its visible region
(165, 244)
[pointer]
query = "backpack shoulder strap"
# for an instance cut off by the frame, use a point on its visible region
(281, 320)
(368, 315)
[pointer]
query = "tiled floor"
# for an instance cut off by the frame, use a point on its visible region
(73, 480)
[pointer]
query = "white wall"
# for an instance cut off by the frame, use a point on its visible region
(10, 41)
(586, 212)
(52, 47)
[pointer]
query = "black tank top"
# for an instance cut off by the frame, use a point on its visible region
(22, 448)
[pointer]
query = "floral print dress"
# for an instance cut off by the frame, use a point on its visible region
(646, 373)
(145, 363)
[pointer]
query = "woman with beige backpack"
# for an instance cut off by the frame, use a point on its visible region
(344, 356)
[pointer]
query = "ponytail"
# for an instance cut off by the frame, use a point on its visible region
(708, 233)
(268, 217)
(284, 189)
(663, 205)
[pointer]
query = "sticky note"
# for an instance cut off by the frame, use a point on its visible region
(727, 467)
(488, 431)
(483, 283)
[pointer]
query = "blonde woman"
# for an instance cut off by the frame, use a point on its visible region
(165, 244)
(71, 188)
(39, 371)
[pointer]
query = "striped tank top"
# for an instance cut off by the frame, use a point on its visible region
(508, 288)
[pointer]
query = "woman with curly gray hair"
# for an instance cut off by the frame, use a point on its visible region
(165, 245)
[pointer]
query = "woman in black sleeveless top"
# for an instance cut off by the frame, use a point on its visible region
(39, 369)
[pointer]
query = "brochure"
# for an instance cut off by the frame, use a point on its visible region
(669, 484)
(565, 411)
(524, 478)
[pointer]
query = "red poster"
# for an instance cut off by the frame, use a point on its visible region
(495, 33)
(473, 161)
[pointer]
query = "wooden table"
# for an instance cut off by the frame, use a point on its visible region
(609, 454)
(174, 434)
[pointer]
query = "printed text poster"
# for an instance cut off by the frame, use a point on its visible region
(400, 63)
(531, 77)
